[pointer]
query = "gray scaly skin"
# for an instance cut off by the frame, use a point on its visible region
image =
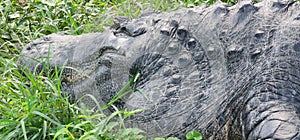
(230, 72)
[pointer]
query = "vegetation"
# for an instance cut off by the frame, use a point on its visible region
(32, 105)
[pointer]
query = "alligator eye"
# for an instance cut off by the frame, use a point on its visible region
(28, 48)
(192, 43)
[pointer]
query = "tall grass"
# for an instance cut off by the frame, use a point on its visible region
(33, 107)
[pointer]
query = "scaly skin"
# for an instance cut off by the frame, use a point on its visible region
(230, 72)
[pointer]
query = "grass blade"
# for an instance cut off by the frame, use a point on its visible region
(45, 130)
(23, 129)
(46, 117)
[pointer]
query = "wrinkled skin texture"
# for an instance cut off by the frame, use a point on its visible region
(230, 72)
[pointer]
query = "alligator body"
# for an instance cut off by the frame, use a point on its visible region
(230, 72)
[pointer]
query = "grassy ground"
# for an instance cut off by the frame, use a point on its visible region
(32, 105)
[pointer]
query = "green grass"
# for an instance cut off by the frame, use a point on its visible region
(32, 105)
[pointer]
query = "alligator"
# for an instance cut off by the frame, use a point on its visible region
(228, 71)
